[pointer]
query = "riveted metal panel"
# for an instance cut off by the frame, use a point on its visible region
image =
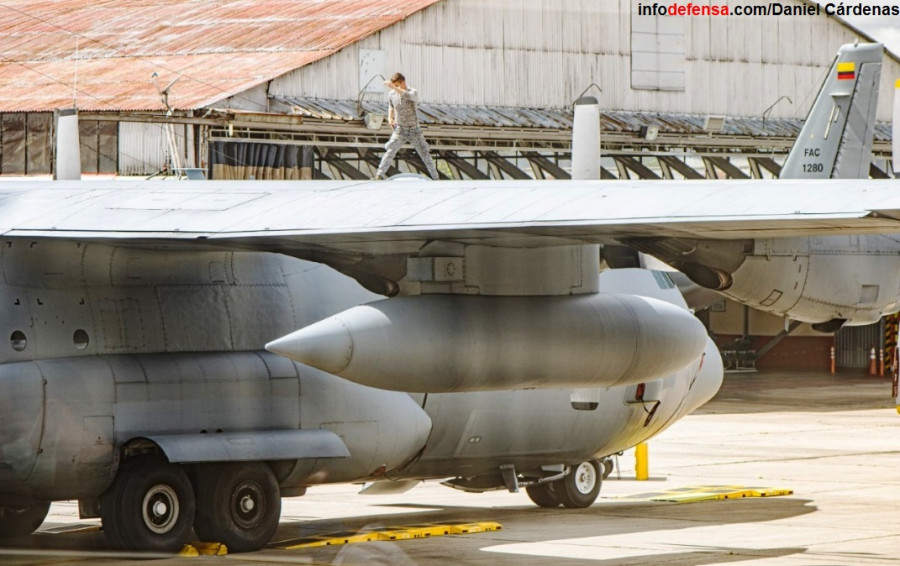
(22, 407)
(189, 327)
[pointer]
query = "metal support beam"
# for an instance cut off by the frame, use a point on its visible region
(769, 164)
(777, 339)
(633, 164)
(686, 170)
(546, 165)
(346, 169)
(504, 165)
(877, 173)
(725, 166)
(755, 170)
(464, 166)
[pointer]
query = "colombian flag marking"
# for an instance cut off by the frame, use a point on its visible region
(846, 71)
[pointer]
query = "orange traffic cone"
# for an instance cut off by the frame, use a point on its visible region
(872, 361)
(832, 360)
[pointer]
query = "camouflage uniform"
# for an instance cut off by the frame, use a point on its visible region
(406, 130)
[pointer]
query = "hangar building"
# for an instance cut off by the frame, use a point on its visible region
(291, 89)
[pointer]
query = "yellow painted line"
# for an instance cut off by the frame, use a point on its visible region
(395, 533)
(846, 67)
(334, 540)
(708, 493)
(468, 528)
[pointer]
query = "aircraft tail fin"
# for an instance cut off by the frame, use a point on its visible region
(836, 139)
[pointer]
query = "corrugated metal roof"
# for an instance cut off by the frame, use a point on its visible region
(555, 118)
(215, 48)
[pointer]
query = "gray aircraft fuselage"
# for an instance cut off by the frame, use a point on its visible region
(113, 346)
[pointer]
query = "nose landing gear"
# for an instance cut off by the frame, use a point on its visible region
(578, 489)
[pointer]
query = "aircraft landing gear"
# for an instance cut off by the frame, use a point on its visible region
(578, 489)
(150, 506)
(543, 495)
(22, 520)
(238, 504)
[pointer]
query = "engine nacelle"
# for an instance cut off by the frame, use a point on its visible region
(824, 280)
(447, 343)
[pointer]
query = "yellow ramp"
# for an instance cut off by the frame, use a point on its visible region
(708, 493)
(394, 533)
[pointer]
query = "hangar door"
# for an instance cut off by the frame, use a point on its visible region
(852, 345)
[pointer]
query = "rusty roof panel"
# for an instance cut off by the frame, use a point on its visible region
(216, 48)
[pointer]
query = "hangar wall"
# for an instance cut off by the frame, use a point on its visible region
(544, 54)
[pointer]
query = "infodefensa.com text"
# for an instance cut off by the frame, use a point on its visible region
(767, 9)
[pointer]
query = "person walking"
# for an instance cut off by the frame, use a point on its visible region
(402, 103)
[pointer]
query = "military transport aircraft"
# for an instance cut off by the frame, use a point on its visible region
(136, 378)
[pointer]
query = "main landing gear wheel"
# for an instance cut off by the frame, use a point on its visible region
(580, 488)
(543, 495)
(237, 504)
(150, 506)
(22, 520)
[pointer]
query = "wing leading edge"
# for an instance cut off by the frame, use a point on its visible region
(398, 217)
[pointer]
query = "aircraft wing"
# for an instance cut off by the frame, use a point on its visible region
(368, 230)
(397, 217)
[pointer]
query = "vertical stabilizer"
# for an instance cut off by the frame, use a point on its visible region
(68, 147)
(586, 139)
(836, 139)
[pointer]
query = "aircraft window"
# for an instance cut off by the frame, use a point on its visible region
(18, 340)
(81, 339)
(663, 280)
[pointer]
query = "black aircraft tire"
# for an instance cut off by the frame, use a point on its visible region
(149, 507)
(543, 495)
(238, 505)
(580, 488)
(109, 502)
(22, 520)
